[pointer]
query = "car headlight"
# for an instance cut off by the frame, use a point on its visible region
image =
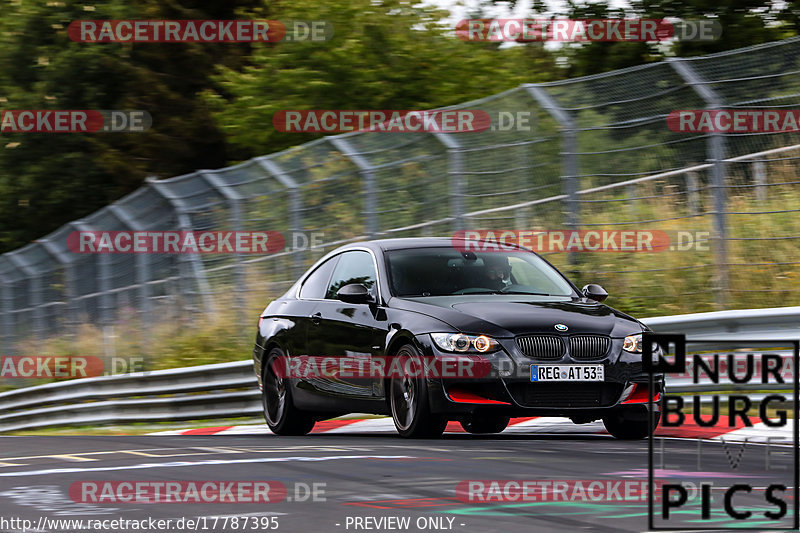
(461, 343)
(633, 343)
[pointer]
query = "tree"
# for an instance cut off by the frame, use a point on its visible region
(743, 23)
(384, 55)
(47, 180)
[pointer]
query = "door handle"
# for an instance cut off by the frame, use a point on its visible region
(316, 318)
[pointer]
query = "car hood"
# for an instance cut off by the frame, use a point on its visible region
(507, 315)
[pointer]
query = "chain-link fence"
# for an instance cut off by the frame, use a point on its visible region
(598, 154)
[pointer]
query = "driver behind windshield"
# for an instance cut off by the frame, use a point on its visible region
(496, 272)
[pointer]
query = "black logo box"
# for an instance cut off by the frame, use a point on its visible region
(678, 365)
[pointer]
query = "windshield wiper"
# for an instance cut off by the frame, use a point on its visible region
(504, 292)
(523, 292)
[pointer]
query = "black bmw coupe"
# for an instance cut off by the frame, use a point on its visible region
(429, 330)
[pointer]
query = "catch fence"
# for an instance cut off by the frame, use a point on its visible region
(598, 155)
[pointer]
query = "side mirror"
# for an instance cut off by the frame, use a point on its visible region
(354, 293)
(594, 292)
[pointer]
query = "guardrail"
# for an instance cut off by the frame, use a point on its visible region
(209, 391)
(776, 323)
(229, 390)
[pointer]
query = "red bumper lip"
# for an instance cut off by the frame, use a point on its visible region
(463, 396)
(640, 394)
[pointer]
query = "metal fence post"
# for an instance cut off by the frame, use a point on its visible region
(295, 207)
(142, 264)
(569, 153)
(80, 225)
(716, 155)
(760, 179)
(104, 275)
(73, 308)
(190, 261)
(522, 215)
(691, 193)
(7, 323)
(630, 193)
(455, 172)
(234, 201)
(368, 174)
(69, 280)
(105, 308)
(521, 219)
(34, 289)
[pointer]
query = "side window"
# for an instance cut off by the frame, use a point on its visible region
(353, 267)
(317, 283)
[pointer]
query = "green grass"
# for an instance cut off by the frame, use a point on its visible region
(145, 428)
(761, 272)
(140, 428)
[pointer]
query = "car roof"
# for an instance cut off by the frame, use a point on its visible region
(415, 242)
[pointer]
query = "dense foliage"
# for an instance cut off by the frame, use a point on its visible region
(212, 104)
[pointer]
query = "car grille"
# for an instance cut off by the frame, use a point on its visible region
(541, 346)
(566, 394)
(589, 346)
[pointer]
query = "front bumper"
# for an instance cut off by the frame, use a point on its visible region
(508, 390)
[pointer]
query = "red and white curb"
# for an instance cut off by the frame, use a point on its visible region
(536, 425)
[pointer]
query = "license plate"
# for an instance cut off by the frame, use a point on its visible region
(567, 373)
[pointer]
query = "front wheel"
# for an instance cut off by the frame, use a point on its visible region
(630, 424)
(408, 399)
(282, 417)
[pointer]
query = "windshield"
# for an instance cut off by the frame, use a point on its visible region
(448, 271)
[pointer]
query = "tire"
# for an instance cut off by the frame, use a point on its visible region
(627, 424)
(485, 424)
(408, 401)
(282, 417)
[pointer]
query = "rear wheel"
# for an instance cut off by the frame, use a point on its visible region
(630, 424)
(485, 424)
(408, 399)
(282, 417)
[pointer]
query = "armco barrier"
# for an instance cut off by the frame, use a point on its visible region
(229, 390)
(174, 394)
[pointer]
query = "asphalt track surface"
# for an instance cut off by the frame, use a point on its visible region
(370, 476)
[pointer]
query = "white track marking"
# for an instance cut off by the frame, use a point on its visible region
(370, 425)
(210, 462)
(258, 429)
(554, 425)
(542, 425)
(759, 433)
